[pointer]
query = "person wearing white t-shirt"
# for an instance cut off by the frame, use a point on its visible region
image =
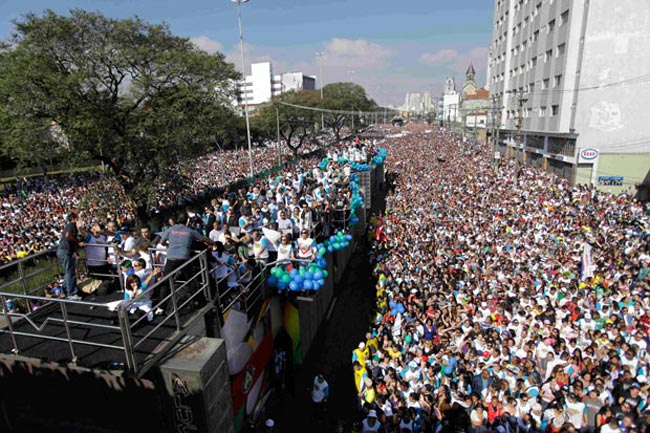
(216, 234)
(611, 427)
(306, 250)
(319, 393)
(575, 411)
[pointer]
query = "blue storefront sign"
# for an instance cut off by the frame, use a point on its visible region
(610, 180)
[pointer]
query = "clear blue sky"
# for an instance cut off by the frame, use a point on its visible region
(392, 47)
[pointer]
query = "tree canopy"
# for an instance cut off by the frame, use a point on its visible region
(296, 124)
(126, 92)
(348, 97)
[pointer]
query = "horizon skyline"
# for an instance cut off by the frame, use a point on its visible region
(392, 51)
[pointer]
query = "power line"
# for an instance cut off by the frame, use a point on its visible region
(327, 110)
(636, 80)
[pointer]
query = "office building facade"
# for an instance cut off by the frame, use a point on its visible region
(572, 78)
(261, 85)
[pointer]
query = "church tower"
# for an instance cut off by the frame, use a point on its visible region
(469, 75)
(450, 86)
(470, 87)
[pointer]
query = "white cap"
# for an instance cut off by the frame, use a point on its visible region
(372, 414)
(269, 423)
(362, 345)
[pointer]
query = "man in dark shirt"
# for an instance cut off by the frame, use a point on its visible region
(180, 238)
(67, 254)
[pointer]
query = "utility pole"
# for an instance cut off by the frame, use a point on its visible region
(320, 55)
(277, 126)
(521, 99)
(496, 123)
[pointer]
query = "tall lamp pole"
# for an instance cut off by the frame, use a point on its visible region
(243, 71)
(320, 55)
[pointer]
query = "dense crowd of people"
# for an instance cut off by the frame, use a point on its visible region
(507, 300)
(33, 210)
(32, 214)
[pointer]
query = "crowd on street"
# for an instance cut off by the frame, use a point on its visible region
(33, 210)
(507, 300)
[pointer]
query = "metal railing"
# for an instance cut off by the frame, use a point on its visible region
(29, 269)
(183, 295)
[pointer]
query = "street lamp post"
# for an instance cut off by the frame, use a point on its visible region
(243, 71)
(320, 55)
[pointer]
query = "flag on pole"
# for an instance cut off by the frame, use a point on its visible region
(587, 262)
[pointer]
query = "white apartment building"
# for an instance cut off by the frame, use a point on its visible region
(262, 85)
(450, 103)
(573, 80)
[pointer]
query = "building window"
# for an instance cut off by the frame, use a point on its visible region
(538, 7)
(531, 87)
(545, 84)
(564, 18)
(533, 62)
(542, 111)
(535, 35)
(557, 81)
(554, 110)
(551, 26)
(560, 50)
(548, 55)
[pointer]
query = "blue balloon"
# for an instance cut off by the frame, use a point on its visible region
(294, 272)
(309, 276)
(321, 281)
(318, 275)
(272, 280)
(298, 279)
(308, 285)
(321, 262)
(314, 285)
(282, 285)
(330, 249)
(348, 237)
(293, 286)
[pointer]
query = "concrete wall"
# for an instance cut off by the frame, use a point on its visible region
(632, 168)
(312, 312)
(612, 110)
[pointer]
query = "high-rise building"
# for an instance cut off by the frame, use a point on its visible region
(261, 84)
(572, 78)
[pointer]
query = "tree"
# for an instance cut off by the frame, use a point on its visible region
(296, 124)
(348, 97)
(125, 92)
